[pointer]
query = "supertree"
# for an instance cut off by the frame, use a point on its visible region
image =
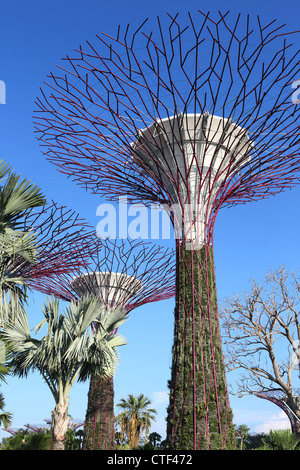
(122, 275)
(73, 424)
(279, 398)
(193, 113)
(12, 431)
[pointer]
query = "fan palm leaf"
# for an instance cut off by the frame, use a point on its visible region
(17, 197)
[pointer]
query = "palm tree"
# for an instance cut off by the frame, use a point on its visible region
(242, 433)
(5, 416)
(154, 440)
(72, 350)
(136, 418)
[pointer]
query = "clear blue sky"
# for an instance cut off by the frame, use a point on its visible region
(249, 240)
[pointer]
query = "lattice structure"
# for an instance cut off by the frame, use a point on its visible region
(12, 431)
(73, 424)
(196, 113)
(64, 243)
(122, 274)
(36, 427)
(279, 398)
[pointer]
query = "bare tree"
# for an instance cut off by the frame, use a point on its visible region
(262, 337)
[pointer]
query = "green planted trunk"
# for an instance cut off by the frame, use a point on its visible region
(99, 423)
(199, 416)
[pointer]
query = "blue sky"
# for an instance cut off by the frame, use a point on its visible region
(249, 240)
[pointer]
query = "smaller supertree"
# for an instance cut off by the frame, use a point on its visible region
(40, 427)
(280, 399)
(36, 427)
(12, 431)
(126, 275)
(74, 424)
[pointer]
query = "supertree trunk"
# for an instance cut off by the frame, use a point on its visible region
(99, 432)
(199, 416)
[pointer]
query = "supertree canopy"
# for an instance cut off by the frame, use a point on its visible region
(122, 275)
(194, 112)
(64, 243)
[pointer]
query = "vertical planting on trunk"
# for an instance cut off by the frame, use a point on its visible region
(99, 430)
(199, 416)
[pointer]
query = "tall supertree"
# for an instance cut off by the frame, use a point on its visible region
(122, 275)
(194, 113)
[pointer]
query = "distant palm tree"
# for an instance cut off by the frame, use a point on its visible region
(136, 418)
(154, 439)
(5, 416)
(72, 350)
(242, 433)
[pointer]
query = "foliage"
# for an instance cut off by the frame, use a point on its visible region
(71, 350)
(153, 442)
(281, 439)
(74, 439)
(28, 440)
(25, 439)
(135, 419)
(275, 440)
(17, 441)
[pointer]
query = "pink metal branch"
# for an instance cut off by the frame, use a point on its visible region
(92, 114)
(135, 273)
(65, 243)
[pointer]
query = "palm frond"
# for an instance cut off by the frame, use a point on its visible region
(71, 349)
(18, 196)
(5, 170)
